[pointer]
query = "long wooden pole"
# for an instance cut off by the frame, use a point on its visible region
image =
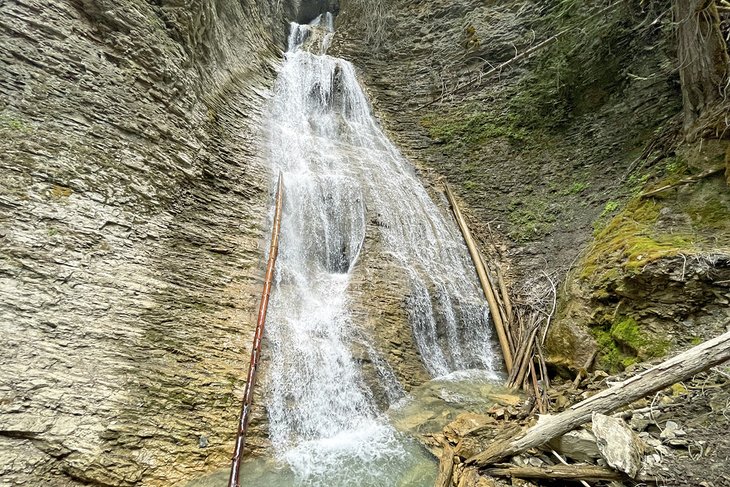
(676, 369)
(234, 480)
(483, 279)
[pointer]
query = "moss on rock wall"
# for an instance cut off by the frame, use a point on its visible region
(550, 156)
(656, 274)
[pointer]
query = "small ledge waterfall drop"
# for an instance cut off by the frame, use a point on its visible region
(340, 171)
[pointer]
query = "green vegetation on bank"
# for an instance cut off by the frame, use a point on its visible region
(689, 218)
(684, 219)
(469, 126)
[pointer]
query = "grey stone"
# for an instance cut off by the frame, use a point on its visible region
(579, 445)
(619, 445)
(639, 422)
(669, 431)
(677, 442)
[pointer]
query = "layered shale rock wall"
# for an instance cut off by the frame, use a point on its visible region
(133, 200)
(550, 152)
(134, 197)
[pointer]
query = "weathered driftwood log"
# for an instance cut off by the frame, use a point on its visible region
(556, 472)
(446, 467)
(486, 285)
(676, 369)
(500, 302)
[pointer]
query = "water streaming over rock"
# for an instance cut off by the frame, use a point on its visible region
(340, 170)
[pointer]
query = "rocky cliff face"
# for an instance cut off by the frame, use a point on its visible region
(134, 213)
(550, 153)
(134, 200)
(132, 208)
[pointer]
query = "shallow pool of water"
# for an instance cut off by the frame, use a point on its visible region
(382, 453)
(408, 466)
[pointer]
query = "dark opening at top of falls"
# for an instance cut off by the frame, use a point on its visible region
(308, 10)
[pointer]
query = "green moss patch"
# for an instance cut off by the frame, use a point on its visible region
(625, 343)
(531, 218)
(712, 214)
(630, 240)
(11, 125)
(685, 219)
(629, 336)
(690, 219)
(470, 127)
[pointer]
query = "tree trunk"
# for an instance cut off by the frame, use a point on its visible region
(684, 365)
(703, 58)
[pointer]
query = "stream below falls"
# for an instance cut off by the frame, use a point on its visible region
(341, 172)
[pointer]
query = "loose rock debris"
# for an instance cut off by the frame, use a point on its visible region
(678, 437)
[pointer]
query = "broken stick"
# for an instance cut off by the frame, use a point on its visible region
(505, 295)
(684, 181)
(676, 369)
(562, 460)
(555, 472)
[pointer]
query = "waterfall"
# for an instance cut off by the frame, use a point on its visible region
(340, 171)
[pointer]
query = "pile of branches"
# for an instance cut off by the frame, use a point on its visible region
(610, 450)
(528, 330)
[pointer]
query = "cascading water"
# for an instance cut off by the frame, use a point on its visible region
(341, 170)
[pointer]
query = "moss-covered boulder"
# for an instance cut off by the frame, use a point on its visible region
(657, 274)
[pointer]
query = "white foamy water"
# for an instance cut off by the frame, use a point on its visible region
(340, 171)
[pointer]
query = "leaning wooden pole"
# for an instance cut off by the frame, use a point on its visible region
(483, 279)
(234, 480)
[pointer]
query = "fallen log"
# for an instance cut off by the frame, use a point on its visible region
(505, 295)
(522, 366)
(676, 369)
(556, 472)
(498, 298)
(483, 279)
(562, 460)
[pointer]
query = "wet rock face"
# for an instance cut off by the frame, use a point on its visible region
(132, 209)
(537, 162)
(546, 152)
(308, 10)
